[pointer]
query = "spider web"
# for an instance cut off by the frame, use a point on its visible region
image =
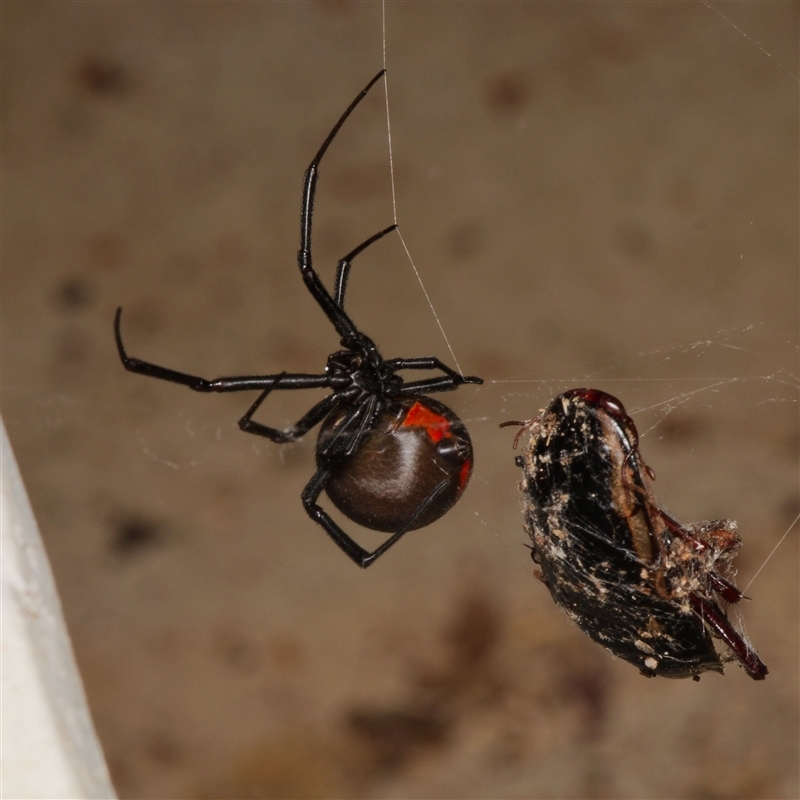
(594, 194)
(751, 364)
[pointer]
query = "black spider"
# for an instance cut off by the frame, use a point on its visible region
(388, 457)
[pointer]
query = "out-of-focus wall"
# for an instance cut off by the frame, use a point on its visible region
(594, 194)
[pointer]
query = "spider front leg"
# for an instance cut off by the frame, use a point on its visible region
(363, 558)
(450, 380)
(343, 324)
(236, 383)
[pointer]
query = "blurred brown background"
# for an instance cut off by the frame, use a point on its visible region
(599, 194)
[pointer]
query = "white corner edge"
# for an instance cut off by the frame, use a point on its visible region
(48, 745)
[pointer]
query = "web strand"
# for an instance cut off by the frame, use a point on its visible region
(774, 549)
(750, 39)
(666, 404)
(394, 197)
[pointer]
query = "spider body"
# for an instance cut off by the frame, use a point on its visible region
(413, 465)
(639, 583)
(390, 458)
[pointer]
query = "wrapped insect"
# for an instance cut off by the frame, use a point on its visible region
(642, 585)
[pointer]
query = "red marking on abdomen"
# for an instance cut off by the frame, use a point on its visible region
(437, 427)
(464, 473)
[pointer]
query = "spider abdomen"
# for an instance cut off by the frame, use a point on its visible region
(410, 469)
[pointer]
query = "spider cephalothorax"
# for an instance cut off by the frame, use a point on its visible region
(359, 375)
(389, 457)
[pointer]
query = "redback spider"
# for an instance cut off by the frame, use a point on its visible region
(389, 458)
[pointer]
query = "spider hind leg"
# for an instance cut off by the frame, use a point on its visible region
(362, 557)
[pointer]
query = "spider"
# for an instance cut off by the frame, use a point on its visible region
(388, 457)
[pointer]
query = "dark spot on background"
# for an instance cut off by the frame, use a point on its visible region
(589, 690)
(474, 631)
(106, 250)
(133, 534)
(336, 7)
(356, 185)
(182, 268)
(230, 250)
(143, 317)
(468, 674)
(464, 240)
(161, 748)
(72, 294)
(507, 94)
(681, 194)
(508, 751)
(633, 240)
(547, 332)
(393, 736)
(102, 77)
(236, 651)
(440, 695)
(286, 653)
(677, 428)
(72, 349)
(618, 44)
(789, 508)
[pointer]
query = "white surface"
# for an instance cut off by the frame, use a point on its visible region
(49, 748)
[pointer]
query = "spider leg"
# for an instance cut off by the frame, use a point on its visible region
(363, 558)
(240, 383)
(351, 432)
(430, 385)
(298, 430)
(431, 362)
(343, 269)
(718, 622)
(343, 324)
(368, 411)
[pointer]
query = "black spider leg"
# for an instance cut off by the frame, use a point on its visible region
(351, 431)
(345, 327)
(343, 324)
(365, 415)
(345, 441)
(333, 306)
(348, 441)
(299, 429)
(349, 546)
(239, 383)
(343, 268)
(444, 383)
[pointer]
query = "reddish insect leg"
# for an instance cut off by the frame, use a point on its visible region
(724, 589)
(718, 622)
